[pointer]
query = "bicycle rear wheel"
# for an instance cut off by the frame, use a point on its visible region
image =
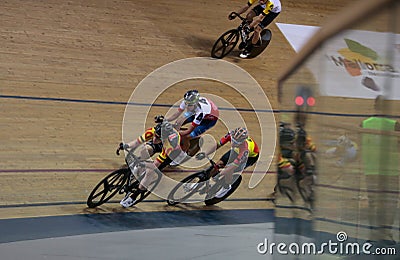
(186, 188)
(225, 44)
(107, 187)
(217, 186)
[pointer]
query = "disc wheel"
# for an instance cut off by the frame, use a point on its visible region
(215, 188)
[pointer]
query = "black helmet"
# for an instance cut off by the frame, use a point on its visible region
(191, 97)
(159, 119)
(286, 136)
(301, 137)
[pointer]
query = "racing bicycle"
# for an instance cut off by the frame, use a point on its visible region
(229, 39)
(202, 183)
(122, 181)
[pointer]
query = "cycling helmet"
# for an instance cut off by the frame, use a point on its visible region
(239, 135)
(157, 130)
(166, 129)
(191, 97)
(301, 138)
(283, 125)
(159, 119)
(286, 136)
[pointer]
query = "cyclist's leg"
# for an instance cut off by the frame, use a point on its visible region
(253, 13)
(194, 146)
(250, 161)
(258, 29)
(203, 127)
(151, 148)
(222, 162)
(308, 158)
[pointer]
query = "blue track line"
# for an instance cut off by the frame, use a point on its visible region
(104, 102)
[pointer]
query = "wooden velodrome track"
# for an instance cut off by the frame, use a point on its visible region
(68, 68)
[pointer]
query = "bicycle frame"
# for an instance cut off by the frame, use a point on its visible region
(243, 35)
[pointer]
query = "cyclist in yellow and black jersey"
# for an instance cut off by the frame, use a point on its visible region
(263, 13)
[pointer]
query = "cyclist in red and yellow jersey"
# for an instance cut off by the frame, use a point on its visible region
(264, 12)
(171, 151)
(151, 138)
(243, 153)
(295, 148)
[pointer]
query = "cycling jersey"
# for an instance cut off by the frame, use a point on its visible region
(206, 110)
(287, 157)
(147, 135)
(247, 149)
(273, 6)
(171, 147)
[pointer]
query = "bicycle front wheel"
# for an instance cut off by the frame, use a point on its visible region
(186, 188)
(107, 187)
(152, 185)
(225, 44)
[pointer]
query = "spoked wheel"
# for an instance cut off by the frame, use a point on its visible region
(107, 187)
(186, 188)
(217, 186)
(225, 44)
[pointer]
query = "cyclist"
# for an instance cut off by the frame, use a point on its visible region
(243, 153)
(171, 151)
(296, 149)
(201, 112)
(151, 138)
(263, 13)
(286, 159)
(345, 150)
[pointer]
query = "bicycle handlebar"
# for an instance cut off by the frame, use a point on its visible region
(211, 162)
(234, 15)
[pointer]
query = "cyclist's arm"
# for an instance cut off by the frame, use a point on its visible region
(134, 144)
(244, 8)
(145, 137)
(186, 132)
(177, 113)
(216, 146)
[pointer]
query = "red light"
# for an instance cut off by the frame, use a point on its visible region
(311, 101)
(299, 100)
